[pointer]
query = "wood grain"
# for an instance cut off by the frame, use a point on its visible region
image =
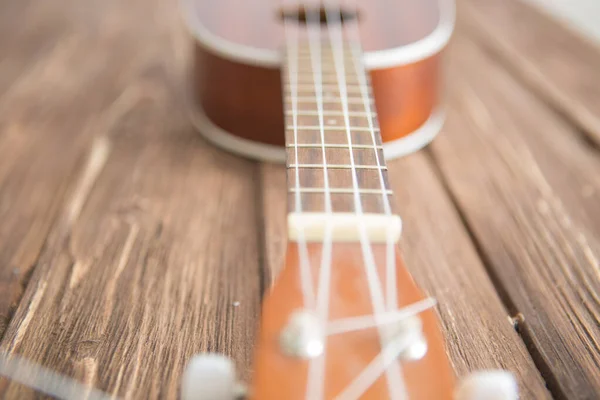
(520, 176)
(150, 268)
(442, 259)
(45, 127)
(561, 66)
(136, 274)
(134, 241)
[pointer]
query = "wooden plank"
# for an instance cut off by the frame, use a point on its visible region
(520, 177)
(33, 173)
(152, 253)
(557, 63)
(47, 122)
(158, 262)
(444, 262)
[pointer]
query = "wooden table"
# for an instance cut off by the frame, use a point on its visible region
(127, 243)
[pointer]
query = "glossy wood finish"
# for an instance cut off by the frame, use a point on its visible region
(240, 92)
(246, 100)
(405, 97)
(277, 376)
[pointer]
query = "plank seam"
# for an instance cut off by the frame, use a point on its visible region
(64, 209)
(265, 271)
(552, 383)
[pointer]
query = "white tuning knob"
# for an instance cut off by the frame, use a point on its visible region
(209, 377)
(488, 385)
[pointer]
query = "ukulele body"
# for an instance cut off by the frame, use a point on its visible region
(236, 76)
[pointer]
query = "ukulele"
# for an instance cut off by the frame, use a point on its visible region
(333, 89)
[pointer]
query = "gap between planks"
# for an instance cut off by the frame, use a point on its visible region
(505, 158)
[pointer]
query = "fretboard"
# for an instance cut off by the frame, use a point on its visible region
(334, 148)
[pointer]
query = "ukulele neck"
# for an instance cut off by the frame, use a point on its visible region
(335, 162)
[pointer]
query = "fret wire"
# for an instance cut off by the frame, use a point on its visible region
(326, 80)
(305, 267)
(334, 100)
(340, 190)
(329, 79)
(337, 166)
(325, 86)
(364, 86)
(334, 146)
(331, 113)
(334, 128)
(393, 370)
(305, 89)
(316, 67)
(325, 75)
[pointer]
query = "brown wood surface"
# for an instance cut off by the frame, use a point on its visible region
(557, 63)
(516, 181)
(127, 241)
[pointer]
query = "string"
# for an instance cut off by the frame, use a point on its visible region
(314, 42)
(305, 269)
(393, 369)
(391, 284)
(383, 361)
(315, 384)
(365, 322)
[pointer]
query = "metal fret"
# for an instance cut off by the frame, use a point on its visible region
(340, 191)
(330, 100)
(322, 169)
(334, 146)
(337, 166)
(325, 75)
(329, 113)
(326, 86)
(335, 128)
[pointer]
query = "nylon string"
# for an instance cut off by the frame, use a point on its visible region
(292, 39)
(391, 284)
(396, 387)
(315, 384)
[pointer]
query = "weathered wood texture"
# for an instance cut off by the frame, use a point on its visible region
(154, 237)
(527, 186)
(44, 123)
(557, 63)
(133, 240)
(130, 285)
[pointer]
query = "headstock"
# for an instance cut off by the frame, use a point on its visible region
(368, 332)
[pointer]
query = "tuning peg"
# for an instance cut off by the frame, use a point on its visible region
(303, 335)
(210, 377)
(488, 385)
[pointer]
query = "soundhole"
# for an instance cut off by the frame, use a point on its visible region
(321, 15)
